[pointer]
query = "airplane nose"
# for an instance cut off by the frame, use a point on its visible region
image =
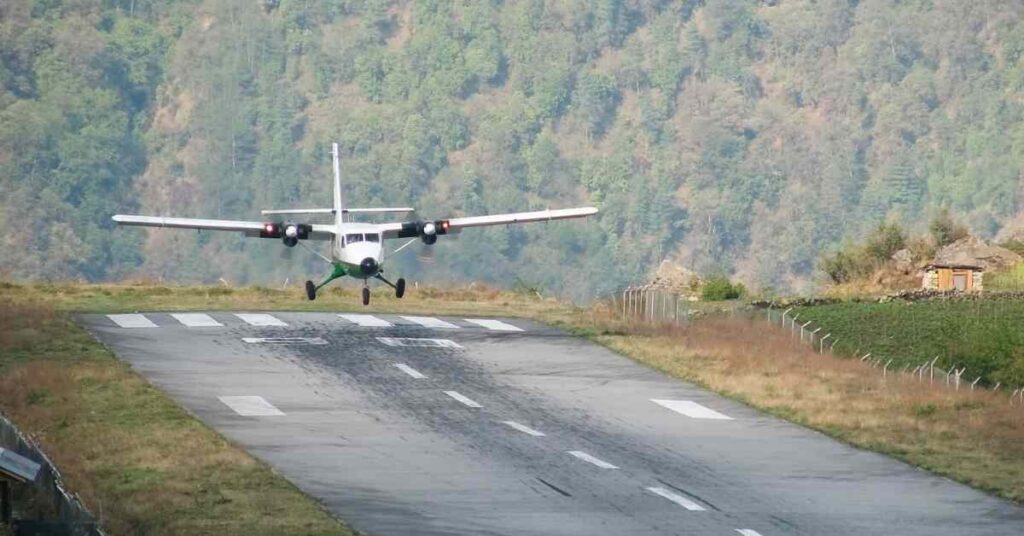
(369, 266)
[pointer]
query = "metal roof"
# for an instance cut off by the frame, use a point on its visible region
(17, 467)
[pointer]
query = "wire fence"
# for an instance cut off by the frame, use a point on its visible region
(45, 506)
(651, 304)
(822, 341)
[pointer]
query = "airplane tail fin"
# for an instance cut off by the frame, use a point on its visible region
(339, 208)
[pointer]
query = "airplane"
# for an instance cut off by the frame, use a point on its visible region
(356, 248)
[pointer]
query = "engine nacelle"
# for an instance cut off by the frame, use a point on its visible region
(290, 235)
(428, 233)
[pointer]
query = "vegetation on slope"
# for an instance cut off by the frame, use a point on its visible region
(739, 136)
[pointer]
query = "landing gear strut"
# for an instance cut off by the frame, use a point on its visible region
(366, 295)
(399, 287)
(311, 288)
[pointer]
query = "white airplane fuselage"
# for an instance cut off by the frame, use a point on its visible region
(358, 249)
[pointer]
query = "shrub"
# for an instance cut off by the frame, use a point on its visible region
(719, 288)
(884, 241)
(945, 230)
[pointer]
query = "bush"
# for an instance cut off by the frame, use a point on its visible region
(719, 288)
(945, 230)
(884, 241)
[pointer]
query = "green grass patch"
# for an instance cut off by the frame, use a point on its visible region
(985, 335)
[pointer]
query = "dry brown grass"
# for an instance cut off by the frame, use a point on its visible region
(977, 438)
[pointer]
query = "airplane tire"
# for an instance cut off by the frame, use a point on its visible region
(366, 296)
(400, 288)
(310, 290)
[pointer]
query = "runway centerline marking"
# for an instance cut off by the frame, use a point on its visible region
(676, 498)
(410, 371)
(430, 322)
(415, 342)
(260, 319)
(132, 321)
(463, 399)
(496, 325)
(367, 321)
(523, 428)
(251, 406)
(196, 320)
(591, 459)
(691, 409)
(284, 340)
(748, 532)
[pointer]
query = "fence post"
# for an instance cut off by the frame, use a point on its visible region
(975, 382)
(931, 370)
(832, 347)
(793, 324)
(822, 349)
(802, 326)
(885, 370)
(784, 313)
(813, 333)
(675, 309)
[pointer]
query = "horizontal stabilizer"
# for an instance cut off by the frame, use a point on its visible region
(298, 211)
(399, 210)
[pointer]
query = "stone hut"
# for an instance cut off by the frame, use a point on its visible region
(962, 265)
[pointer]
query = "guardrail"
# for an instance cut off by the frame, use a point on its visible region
(53, 509)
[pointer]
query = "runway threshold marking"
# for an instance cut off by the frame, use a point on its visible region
(748, 532)
(410, 371)
(676, 498)
(496, 325)
(463, 399)
(367, 321)
(691, 409)
(132, 321)
(591, 459)
(196, 320)
(523, 428)
(260, 319)
(250, 406)
(421, 343)
(284, 340)
(430, 322)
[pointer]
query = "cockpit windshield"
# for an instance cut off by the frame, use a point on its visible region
(353, 238)
(372, 237)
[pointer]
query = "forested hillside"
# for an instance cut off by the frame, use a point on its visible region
(736, 136)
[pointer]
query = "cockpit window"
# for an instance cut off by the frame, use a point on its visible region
(353, 238)
(372, 237)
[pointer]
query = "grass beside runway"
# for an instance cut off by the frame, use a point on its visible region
(131, 452)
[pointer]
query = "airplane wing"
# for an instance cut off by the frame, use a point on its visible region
(417, 228)
(250, 228)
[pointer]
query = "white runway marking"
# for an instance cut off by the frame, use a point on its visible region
(677, 498)
(132, 321)
(196, 320)
(748, 532)
(260, 319)
(422, 343)
(691, 409)
(430, 322)
(524, 429)
(463, 398)
(250, 406)
(590, 459)
(368, 321)
(496, 325)
(284, 340)
(410, 371)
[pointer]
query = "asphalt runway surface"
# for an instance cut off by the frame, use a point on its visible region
(443, 426)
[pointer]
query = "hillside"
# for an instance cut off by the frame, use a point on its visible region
(735, 136)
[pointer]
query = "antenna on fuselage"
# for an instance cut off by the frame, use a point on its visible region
(339, 212)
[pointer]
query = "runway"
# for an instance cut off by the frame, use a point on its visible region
(413, 425)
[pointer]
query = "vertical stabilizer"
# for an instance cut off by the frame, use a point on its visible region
(339, 212)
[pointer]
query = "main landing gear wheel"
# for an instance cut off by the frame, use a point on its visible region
(400, 288)
(366, 296)
(310, 290)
